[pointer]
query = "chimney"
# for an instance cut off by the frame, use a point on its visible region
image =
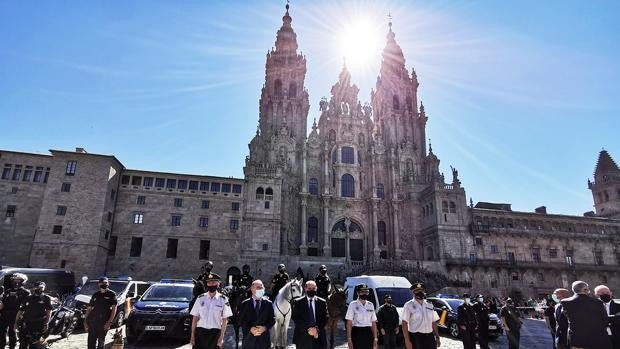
(80, 150)
(541, 209)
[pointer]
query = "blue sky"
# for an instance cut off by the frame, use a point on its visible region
(521, 96)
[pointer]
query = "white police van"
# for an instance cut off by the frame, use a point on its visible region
(396, 286)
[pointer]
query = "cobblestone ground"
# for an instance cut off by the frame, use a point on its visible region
(534, 335)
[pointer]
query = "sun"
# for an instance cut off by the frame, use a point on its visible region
(360, 43)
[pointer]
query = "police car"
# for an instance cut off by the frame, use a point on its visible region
(163, 310)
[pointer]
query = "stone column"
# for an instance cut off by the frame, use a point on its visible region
(304, 185)
(326, 182)
(303, 248)
(397, 249)
(375, 230)
(372, 168)
(327, 250)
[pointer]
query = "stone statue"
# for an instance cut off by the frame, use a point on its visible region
(323, 104)
(455, 175)
(367, 110)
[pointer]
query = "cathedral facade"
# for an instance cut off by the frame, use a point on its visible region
(361, 193)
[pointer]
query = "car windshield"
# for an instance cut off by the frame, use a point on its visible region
(399, 295)
(454, 303)
(93, 286)
(170, 293)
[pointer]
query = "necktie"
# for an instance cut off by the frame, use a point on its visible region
(257, 306)
(311, 310)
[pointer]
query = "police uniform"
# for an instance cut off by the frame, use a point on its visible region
(34, 318)
(278, 281)
(466, 317)
(246, 280)
(322, 285)
(11, 300)
(211, 311)
(482, 315)
(420, 318)
(102, 304)
(362, 316)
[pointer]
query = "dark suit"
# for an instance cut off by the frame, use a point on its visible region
(302, 319)
(561, 328)
(248, 318)
(614, 320)
(587, 322)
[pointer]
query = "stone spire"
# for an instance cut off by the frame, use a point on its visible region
(605, 164)
(393, 62)
(286, 39)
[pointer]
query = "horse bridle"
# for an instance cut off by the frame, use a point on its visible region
(290, 291)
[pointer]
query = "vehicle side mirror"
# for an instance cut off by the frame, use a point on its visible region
(444, 308)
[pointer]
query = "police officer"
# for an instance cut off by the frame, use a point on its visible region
(511, 320)
(210, 316)
(362, 321)
(205, 270)
(279, 280)
(387, 319)
(466, 319)
(34, 316)
(323, 282)
(420, 321)
(9, 306)
(246, 279)
(482, 316)
(100, 314)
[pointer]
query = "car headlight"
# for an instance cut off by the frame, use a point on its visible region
(184, 311)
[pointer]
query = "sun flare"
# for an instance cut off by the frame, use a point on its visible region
(360, 43)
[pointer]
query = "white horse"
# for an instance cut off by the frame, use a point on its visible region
(282, 309)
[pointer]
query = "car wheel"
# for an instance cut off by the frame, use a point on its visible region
(120, 319)
(454, 329)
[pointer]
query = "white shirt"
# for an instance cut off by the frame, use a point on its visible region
(362, 315)
(419, 317)
(211, 311)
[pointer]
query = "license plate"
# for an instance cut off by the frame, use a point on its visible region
(155, 328)
(491, 327)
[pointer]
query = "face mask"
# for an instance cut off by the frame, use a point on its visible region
(480, 299)
(419, 295)
(323, 272)
(606, 298)
(467, 300)
(282, 271)
(103, 286)
(211, 289)
(38, 291)
(555, 298)
(389, 301)
(363, 297)
(260, 293)
(311, 293)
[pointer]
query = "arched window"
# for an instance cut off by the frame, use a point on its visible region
(292, 90)
(348, 155)
(409, 103)
(313, 186)
(452, 207)
(347, 186)
(380, 191)
(313, 229)
(269, 194)
(277, 87)
(444, 206)
(332, 136)
(382, 237)
(395, 103)
(260, 193)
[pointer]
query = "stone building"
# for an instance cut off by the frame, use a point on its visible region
(362, 193)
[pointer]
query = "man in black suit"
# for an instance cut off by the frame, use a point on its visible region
(256, 318)
(587, 319)
(310, 317)
(613, 311)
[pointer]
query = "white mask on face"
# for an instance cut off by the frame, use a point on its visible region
(260, 293)
(480, 299)
(467, 300)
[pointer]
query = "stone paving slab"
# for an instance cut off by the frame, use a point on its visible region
(534, 335)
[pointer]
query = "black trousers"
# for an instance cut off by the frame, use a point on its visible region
(96, 336)
(483, 337)
(389, 339)
(32, 332)
(362, 337)
(423, 340)
(514, 337)
(7, 325)
(206, 338)
(468, 337)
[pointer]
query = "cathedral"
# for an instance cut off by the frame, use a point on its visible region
(361, 193)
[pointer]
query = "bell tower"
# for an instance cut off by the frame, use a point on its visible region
(606, 186)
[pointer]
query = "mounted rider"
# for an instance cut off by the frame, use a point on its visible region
(323, 283)
(278, 281)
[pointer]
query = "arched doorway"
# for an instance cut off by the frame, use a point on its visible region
(232, 275)
(347, 240)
